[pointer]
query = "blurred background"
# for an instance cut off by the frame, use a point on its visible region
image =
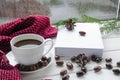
(58, 9)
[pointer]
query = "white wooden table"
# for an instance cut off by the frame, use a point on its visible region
(112, 50)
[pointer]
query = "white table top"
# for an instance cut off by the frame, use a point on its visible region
(112, 50)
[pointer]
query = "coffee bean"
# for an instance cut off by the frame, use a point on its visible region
(97, 68)
(22, 67)
(79, 73)
(63, 72)
(84, 69)
(26, 68)
(109, 66)
(98, 59)
(49, 59)
(57, 57)
(79, 62)
(118, 64)
(108, 59)
(79, 56)
(69, 65)
(34, 67)
(66, 77)
(116, 71)
(82, 33)
(88, 59)
(44, 58)
(59, 63)
(40, 64)
(45, 63)
(31, 68)
(73, 59)
(93, 58)
(37, 66)
(84, 62)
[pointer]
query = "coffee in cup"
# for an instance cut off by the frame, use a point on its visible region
(27, 43)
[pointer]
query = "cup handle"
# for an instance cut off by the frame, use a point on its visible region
(51, 46)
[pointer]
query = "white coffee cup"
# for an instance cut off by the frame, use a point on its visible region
(28, 53)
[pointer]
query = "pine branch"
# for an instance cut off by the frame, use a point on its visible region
(86, 18)
(62, 22)
(109, 26)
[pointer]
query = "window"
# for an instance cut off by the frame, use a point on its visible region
(58, 9)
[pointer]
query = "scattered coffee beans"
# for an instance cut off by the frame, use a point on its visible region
(94, 58)
(27, 67)
(97, 68)
(81, 59)
(42, 63)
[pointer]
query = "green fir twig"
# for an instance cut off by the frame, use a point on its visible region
(62, 22)
(86, 18)
(107, 26)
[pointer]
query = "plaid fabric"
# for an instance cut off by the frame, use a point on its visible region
(7, 71)
(32, 24)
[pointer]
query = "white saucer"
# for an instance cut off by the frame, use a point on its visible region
(13, 62)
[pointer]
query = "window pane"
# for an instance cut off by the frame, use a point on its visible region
(58, 9)
(62, 9)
